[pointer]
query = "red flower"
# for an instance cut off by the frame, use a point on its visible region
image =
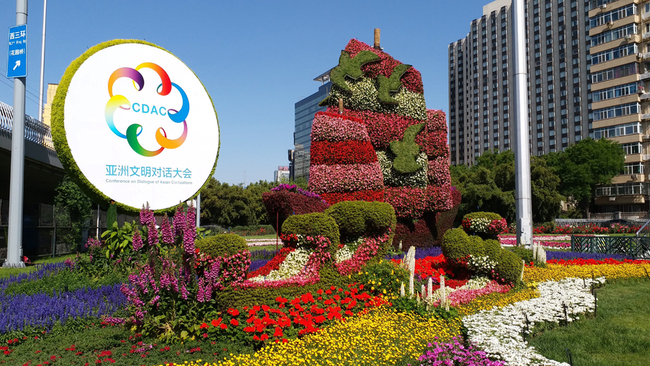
(204, 325)
(233, 312)
(278, 332)
(216, 322)
(234, 322)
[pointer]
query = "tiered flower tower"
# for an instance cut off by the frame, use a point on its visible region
(378, 142)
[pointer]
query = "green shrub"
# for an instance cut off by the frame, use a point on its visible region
(357, 218)
(486, 215)
(508, 269)
(383, 278)
(222, 244)
(492, 249)
(476, 246)
(526, 255)
(230, 297)
(316, 223)
(111, 215)
(456, 245)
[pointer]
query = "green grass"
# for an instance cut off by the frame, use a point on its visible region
(6, 272)
(619, 335)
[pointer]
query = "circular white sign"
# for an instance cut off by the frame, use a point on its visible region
(140, 126)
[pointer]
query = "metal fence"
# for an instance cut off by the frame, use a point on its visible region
(35, 131)
(631, 246)
(48, 231)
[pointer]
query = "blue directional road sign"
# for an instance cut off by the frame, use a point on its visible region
(17, 55)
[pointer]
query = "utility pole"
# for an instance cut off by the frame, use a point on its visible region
(15, 237)
(523, 200)
(40, 90)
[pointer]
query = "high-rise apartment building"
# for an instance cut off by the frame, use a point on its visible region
(481, 79)
(305, 110)
(620, 71)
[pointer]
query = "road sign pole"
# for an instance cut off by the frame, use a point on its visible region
(15, 237)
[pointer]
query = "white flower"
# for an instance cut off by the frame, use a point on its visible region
(499, 331)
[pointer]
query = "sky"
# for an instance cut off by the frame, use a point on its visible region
(256, 58)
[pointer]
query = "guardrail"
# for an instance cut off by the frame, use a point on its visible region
(35, 131)
(631, 246)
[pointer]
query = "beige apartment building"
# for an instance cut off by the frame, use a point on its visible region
(619, 51)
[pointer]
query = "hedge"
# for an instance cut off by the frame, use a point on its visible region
(221, 245)
(357, 218)
(282, 204)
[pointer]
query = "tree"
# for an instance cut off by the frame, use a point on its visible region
(583, 166)
(79, 206)
(233, 205)
(546, 198)
(489, 185)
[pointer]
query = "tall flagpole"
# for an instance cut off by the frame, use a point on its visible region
(523, 201)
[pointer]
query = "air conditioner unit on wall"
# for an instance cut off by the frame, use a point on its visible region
(628, 37)
(610, 23)
(603, 7)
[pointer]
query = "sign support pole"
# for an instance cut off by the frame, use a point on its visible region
(15, 237)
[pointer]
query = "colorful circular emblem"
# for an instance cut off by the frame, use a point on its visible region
(133, 124)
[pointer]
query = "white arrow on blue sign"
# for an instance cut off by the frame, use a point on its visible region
(17, 55)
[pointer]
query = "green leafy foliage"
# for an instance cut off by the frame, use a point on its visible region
(351, 67)
(391, 84)
(221, 244)
(384, 277)
(456, 245)
(489, 185)
(508, 268)
(79, 206)
(234, 205)
(394, 178)
(583, 166)
(365, 96)
(407, 150)
(111, 215)
(357, 218)
(316, 223)
(118, 239)
(483, 215)
(526, 255)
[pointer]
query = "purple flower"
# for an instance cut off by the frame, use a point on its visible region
(137, 240)
(166, 230)
(152, 237)
(146, 215)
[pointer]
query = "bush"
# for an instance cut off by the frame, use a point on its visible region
(486, 224)
(492, 249)
(384, 278)
(456, 245)
(486, 215)
(526, 255)
(508, 269)
(221, 244)
(282, 204)
(312, 224)
(360, 218)
(476, 246)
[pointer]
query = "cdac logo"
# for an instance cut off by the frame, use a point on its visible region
(134, 130)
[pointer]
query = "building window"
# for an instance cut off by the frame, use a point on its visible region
(633, 168)
(614, 92)
(614, 131)
(631, 149)
(616, 111)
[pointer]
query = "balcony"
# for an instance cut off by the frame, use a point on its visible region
(644, 76)
(645, 16)
(645, 117)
